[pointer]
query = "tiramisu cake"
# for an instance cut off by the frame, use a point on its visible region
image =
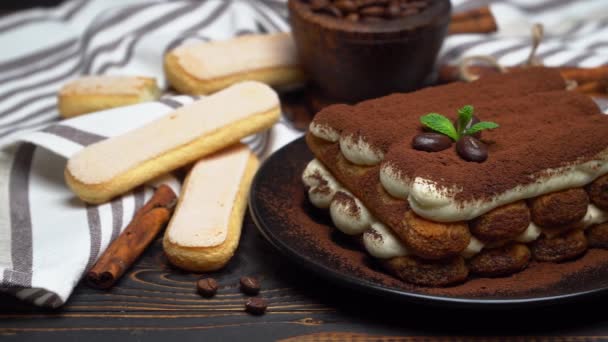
(435, 195)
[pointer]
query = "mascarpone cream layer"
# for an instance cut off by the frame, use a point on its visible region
(101, 162)
(434, 203)
(324, 132)
(203, 215)
(358, 151)
(238, 55)
(351, 217)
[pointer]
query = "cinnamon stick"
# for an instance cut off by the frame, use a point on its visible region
(479, 20)
(590, 81)
(130, 244)
(584, 75)
(593, 87)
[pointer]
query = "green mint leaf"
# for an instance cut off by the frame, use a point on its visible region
(441, 124)
(480, 126)
(465, 114)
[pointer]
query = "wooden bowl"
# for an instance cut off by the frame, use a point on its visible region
(353, 61)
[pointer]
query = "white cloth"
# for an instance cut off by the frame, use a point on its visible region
(47, 237)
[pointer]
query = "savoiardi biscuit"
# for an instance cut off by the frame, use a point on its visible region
(93, 93)
(116, 165)
(205, 229)
(205, 67)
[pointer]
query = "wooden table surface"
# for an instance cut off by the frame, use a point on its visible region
(156, 302)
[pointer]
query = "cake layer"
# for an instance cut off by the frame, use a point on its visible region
(410, 259)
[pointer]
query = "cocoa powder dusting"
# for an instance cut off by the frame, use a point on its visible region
(541, 127)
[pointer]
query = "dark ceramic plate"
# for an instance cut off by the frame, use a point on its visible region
(280, 209)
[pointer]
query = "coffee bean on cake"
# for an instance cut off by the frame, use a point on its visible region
(471, 149)
(431, 142)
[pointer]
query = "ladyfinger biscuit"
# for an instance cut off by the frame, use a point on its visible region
(206, 67)
(503, 223)
(564, 247)
(559, 208)
(427, 273)
(598, 192)
(501, 261)
(205, 229)
(93, 93)
(116, 165)
(433, 240)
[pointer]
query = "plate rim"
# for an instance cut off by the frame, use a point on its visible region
(364, 285)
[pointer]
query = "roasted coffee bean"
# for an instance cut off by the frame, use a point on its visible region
(431, 142)
(250, 285)
(207, 287)
(372, 11)
(256, 306)
(365, 3)
(346, 5)
(354, 17)
(332, 10)
(471, 149)
(316, 5)
(393, 9)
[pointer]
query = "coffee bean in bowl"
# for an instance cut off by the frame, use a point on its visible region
(360, 49)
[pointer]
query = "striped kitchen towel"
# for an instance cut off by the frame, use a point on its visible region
(47, 237)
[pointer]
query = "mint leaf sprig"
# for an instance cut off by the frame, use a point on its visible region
(443, 125)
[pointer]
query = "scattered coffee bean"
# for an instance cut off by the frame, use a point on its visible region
(250, 285)
(207, 287)
(256, 306)
(471, 149)
(431, 142)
